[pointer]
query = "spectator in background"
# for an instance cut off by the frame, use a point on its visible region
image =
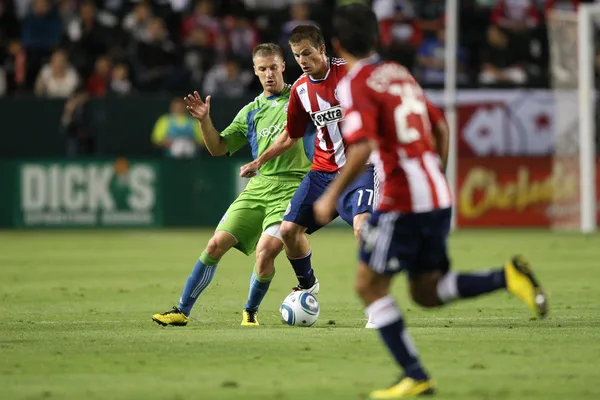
(57, 79)
(431, 15)
(97, 83)
(500, 64)
(77, 124)
(119, 81)
(88, 37)
(517, 19)
(9, 24)
(203, 17)
(299, 15)
(198, 56)
(241, 37)
(177, 132)
(400, 31)
(227, 80)
(137, 21)
(154, 59)
(431, 60)
(42, 30)
(15, 68)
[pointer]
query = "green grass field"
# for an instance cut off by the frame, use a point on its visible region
(75, 323)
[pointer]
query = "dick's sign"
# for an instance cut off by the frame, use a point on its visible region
(111, 193)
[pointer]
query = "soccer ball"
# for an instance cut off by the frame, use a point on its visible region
(300, 309)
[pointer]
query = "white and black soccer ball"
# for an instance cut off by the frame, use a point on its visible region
(300, 309)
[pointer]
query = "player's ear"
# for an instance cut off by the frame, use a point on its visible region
(283, 66)
(322, 49)
(254, 68)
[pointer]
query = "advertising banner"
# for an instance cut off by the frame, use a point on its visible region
(517, 192)
(114, 193)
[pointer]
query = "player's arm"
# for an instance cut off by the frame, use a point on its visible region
(297, 120)
(200, 110)
(282, 144)
(441, 134)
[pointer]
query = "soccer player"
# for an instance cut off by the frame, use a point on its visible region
(253, 219)
(387, 113)
(314, 104)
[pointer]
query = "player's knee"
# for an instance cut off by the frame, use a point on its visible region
(289, 232)
(358, 224)
(265, 259)
(423, 291)
(217, 246)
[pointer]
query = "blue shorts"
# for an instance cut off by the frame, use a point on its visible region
(393, 242)
(358, 198)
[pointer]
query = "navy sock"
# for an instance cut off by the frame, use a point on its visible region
(202, 274)
(258, 289)
(303, 270)
(454, 286)
(384, 313)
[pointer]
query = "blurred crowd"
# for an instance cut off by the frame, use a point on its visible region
(54, 48)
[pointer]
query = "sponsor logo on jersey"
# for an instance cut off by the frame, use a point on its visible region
(271, 131)
(326, 117)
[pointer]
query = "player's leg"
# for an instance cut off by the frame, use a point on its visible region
(386, 247)
(356, 203)
(297, 222)
(199, 279)
(240, 227)
(355, 206)
(268, 248)
(434, 284)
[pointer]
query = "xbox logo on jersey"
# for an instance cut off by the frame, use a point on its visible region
(326, 117)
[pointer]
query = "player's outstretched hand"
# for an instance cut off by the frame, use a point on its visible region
(324, 209)
(197, 108)
(249, 170)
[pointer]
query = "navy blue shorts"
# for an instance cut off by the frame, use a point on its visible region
(358, 198)
(393, 242)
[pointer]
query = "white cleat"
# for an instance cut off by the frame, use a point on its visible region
(314, 289)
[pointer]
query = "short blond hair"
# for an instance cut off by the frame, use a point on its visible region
(267, 49)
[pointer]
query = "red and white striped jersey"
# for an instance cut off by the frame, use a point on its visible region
(383, 102)
(315, 104)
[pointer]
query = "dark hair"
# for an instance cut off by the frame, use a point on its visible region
(311, 33)
(355, 26)
(267, 49)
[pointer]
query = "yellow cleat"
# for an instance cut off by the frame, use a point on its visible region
(174, 318)
(249, 318)
(406, 387)
(521, 282)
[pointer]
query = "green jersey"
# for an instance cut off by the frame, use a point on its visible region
(259, 123)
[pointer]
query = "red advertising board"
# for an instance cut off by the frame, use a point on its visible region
(518, 192)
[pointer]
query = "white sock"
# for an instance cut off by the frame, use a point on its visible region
(383, 312)
(447, 288)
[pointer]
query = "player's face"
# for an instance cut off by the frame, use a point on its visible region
(269, 70)
(310, 58)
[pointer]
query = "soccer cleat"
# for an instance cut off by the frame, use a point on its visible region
(523, 285)
(314, 289)
(249, 318)
(405, 387)
(174, 318)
